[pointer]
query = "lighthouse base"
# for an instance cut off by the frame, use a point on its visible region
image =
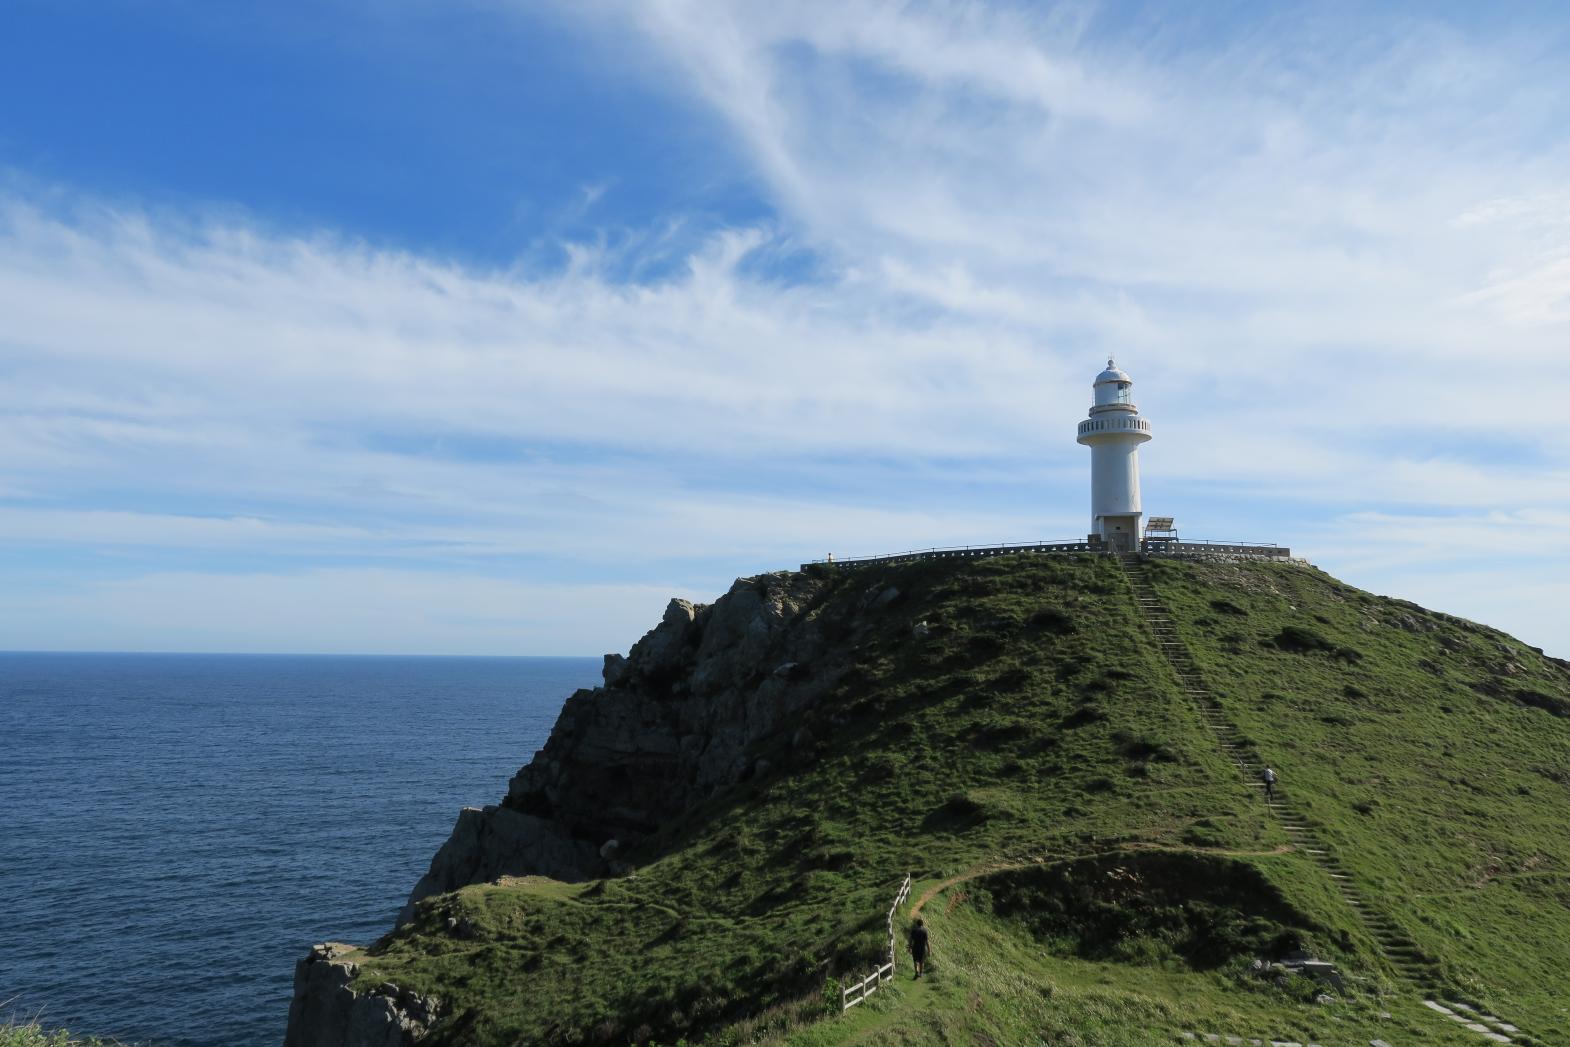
(1118, 532)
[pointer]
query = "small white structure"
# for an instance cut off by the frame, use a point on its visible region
(1113, 432)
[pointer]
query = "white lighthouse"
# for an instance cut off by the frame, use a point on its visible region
(1113, 432)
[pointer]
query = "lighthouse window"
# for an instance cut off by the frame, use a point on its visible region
(1123, 393)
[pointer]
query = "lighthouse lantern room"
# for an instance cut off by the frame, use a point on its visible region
(1113, 432)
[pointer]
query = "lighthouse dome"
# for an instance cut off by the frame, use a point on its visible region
(1112, 374)
(1114, 390)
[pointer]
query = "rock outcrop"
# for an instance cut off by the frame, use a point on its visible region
(678, 719)
(490, 842)
(684, 715)
(326, 1012)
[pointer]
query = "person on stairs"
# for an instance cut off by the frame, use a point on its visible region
(1268, 776)
(918, 948)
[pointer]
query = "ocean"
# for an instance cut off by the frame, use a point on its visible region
(177, 830)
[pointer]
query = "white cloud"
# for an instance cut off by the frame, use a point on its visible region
(328, 610)
(1336, 268)
(769, 532)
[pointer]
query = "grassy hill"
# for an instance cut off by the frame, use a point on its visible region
(1094, 867)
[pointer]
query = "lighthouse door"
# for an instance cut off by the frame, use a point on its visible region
(1121, 532)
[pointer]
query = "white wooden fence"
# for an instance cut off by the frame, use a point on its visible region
(858, 992)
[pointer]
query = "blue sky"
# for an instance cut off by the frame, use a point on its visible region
(486, 327)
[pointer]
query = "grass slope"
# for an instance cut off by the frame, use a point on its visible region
(1032, 752)
(990, 984)
(32, 1034)
(1433, 752)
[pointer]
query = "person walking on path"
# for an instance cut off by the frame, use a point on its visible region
(918, 948)
(1269, 778)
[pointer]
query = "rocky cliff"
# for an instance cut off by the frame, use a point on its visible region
(677, 720)
(326, 1012)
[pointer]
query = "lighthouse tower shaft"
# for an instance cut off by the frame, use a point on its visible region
(1113, 432)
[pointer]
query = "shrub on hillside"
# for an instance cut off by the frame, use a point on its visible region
(1297, 639)
(1144, 908)
(1051, 620)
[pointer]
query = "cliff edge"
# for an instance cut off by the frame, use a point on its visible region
(674, 723)
(678, 720)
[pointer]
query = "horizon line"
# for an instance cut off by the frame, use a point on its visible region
(284, 654)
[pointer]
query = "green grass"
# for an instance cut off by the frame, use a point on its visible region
(989, 983)
(31, 1034)
(1034, 726)
(1411, 746)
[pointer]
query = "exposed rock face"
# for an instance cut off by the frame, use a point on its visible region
(496, 841)
(325, 1012)
(677, 720)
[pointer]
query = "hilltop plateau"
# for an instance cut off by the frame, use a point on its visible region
(1061, 752)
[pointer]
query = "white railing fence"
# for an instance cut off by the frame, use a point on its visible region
(857, 992)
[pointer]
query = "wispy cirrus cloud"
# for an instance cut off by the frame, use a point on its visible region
(1331, 253)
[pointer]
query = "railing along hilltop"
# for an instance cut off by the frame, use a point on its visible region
(1150, 547)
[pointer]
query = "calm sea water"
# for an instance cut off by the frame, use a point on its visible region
(176, 830)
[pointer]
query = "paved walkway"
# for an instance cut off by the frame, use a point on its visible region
(1480, 1022)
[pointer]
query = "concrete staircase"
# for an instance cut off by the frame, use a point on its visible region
(1404, 955)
